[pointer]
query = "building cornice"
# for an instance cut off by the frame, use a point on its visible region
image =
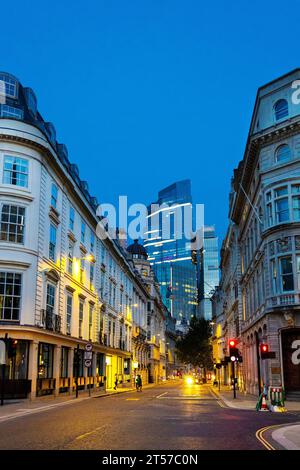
(254, 144)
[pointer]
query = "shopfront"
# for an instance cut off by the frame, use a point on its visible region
(16, 383)
(45, 381)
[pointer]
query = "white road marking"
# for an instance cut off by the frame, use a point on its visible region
(161, 395)
(26, 412)
(187, 398)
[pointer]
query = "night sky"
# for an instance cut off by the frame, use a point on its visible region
(144, 93)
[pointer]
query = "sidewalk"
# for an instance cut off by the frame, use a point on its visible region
(245, 401)
(15, 408)
(288, 437)
(241, 402)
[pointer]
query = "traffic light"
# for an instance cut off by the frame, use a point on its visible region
(264, 351)
(12, 345)
(233, 350)
(194, 256)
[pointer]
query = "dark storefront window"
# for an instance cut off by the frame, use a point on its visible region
(126, 366)
(64, 362)
(78, 364)
(18, 365)
(100, 364)
(45, 361)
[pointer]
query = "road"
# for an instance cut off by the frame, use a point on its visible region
(171, 416)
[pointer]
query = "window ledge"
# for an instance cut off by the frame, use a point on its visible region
(72, 236)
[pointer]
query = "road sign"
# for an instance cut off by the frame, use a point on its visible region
(88, 355)
(87, 363)
(89, 347)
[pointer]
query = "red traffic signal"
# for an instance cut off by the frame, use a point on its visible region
(264, 351)
(264, 348)
(232, 343)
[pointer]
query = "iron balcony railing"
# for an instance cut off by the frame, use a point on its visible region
(50, 321)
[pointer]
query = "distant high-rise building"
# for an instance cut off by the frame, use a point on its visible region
(171, 256)
(209, 277)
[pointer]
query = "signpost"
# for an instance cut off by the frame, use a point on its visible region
(88, 357)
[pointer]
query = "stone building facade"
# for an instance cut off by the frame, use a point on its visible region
(264, 239)
(61, 286)
(154, 331)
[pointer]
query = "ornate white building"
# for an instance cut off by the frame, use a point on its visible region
(61, 287)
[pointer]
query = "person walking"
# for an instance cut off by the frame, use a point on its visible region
(138, 383)
(116, 382)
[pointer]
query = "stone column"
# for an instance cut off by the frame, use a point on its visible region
(32, 367)
(70, 369)
(56, 368)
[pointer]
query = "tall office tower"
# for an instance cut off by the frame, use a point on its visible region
(210, 270)
(170, 255)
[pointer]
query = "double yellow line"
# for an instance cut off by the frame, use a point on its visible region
(260, 437)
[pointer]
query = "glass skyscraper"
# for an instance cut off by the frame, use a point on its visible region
(171, 256)
(210, 270)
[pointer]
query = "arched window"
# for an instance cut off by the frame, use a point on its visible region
(283, 153)
(281, 109)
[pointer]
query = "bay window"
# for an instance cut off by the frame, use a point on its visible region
(286, 272)
(283, 204)
(10, 295)
(12, 223)
(15, 171)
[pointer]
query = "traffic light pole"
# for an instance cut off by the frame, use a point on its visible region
(233, 377)
(258, 363)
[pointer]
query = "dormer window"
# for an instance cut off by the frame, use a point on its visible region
(283, 153)
(31, 100)
(281, 109)
(51, 131)
(9, 85)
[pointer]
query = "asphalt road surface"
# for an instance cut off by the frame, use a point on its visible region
(174, 416)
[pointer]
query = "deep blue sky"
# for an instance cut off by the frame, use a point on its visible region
(147, 92)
